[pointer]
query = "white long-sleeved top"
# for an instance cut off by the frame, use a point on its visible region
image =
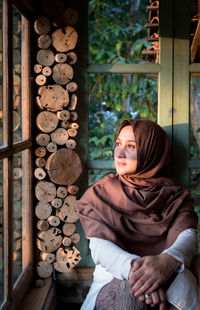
(113, 262)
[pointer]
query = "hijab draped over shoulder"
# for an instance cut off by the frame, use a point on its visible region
(144, 212)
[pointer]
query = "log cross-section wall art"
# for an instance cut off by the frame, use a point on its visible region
(57, 165)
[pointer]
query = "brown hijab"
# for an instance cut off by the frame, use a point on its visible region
(144, 212)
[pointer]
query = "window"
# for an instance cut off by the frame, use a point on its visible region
(15, 155)
(122, 63)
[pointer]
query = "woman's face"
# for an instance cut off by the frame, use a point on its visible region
(125, 153)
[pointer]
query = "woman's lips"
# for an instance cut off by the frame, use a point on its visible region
(121, 164)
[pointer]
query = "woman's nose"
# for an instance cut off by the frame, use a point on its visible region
(120, 153)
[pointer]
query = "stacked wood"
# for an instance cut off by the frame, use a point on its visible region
(195, 38)
(58, 166)
(152, 51)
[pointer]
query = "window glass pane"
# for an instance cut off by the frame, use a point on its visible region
(1, 236)
(117, 32)
(98, 174)
(17, 111)
(112, 98)
(195, 117)
(17, 246)
(195, 192)
(1, 73)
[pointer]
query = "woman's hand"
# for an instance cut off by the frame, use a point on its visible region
(148, 273)
(158, 297)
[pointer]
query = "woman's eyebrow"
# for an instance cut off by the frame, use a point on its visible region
(126, 140)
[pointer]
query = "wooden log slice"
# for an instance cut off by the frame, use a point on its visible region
(47, 121)
(45, 191)
(44, 41)
(73, 116)
(59, 136)
(40, 151)
(47, 257)
(42, 139)
(69, 229)
(42, 225)
(17, 173)
(42, 25)
(62, 192)
(40, 162)
(71, 58)
(38, 68)
(52, 98)
(62, 73)
(16, 102)
(16, 121)
(71, 87)
(45, 57)
(74, 125)
(46, 71)
(60, 57)
(44, 269)
(72, 189)
(16, 80)
(18, 68)
(70, 256)
(71, 144)
(72, 132)
(64, 167)
(66, 241)
(53, 220)
(39, 173)
(71, 201)
(67, 214)
(62, 267)
(17, 191)
(75, 238)
(70, 16)
(50, 240)
(51, 147)
(56, 203)
(40, 79)
(73, 103)
(65, 124)
(64, 39)
(43, 210)
(51, 8)
(63, 115)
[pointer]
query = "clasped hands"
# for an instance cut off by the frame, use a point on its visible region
(148, 274)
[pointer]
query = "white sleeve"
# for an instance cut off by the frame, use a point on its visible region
(111, 257)
(184, 248)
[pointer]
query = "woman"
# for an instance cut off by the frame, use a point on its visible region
(142, 228)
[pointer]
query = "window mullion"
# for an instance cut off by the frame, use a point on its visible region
(8, 140)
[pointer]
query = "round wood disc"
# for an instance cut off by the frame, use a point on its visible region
(44, 41)
(42, 25)
(45, 57)
(62, 73)
(60, 57)
(50, 240)
(64, 167)
(70, 17)
(43, 210)
(47, 121)
(45, 191)
(52, 97)
(65, 39)
(37, 68)
(71, 58)
(59, 136)
(16, 121)
(40, 79)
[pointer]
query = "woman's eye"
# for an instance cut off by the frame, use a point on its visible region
(131, 147)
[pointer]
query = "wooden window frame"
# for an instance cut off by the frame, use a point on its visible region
(13, 294)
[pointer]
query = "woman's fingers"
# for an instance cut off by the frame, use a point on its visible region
(141, 298)
(144, 284)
